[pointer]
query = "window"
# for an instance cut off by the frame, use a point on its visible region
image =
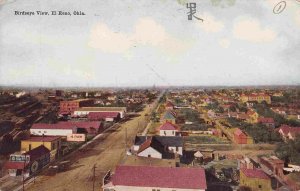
(259, 186)
(149, 155)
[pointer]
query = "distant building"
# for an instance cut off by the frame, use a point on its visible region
(67, 107)
(269, 122)
(273, 163)
(168, 129)
(255, 179)
(150, 178)
(169, 106)
(103, 116)
(259, 98)
(84, 111)
(288, 132)
(241, 138)
(169, 116)
(65, 128)
(252, 116)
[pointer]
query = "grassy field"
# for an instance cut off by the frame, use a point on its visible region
(205, 139)
(153, 128)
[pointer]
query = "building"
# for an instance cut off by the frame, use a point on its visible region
(150, 178)
(241, 138)
(255, 179)
(288, 132)
(103, 116)
(84, 111)
(269, 122)
(158, 146)
(169, 106)
(259, 98)
(169, 116)
(67, 107)
(53, 143)
(273, 163)
(252, 116)
(29, 162)
(65, 128)
(168, 129)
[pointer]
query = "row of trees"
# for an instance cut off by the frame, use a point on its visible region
(263, 110)
(259, 132)
(289, 151)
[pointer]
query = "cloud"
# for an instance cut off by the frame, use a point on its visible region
(103, 38)
(252, 31)
(147, 32)
(297, 18)
(225, 43)
(210, 24)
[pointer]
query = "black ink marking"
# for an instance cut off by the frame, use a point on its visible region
(192, 11)
(279, 7)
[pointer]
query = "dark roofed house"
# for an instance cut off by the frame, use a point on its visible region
(268, 121)
(169, 116)
(158, 146)
(29, 162)
(137, 178)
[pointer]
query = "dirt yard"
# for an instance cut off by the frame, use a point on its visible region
(105, 153)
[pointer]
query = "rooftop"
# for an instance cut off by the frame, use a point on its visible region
(162, 177)
(40, 138)
(254, 173)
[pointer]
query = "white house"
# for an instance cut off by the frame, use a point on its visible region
(158, 146)
(168, 129)
(151, 178)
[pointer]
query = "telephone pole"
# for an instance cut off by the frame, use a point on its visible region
(125, 140)
(94, 172)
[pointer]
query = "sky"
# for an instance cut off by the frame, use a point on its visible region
(149, 42)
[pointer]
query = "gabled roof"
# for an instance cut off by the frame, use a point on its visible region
(40, 138)
(254, 173)
(168, 126)
(101, 109)
(239, 132)
(173, 141)
(152, 142)
(265, 120)
(103, 114)
(37, 152)
(169, 115)
(161, 177)
(287, 129)
(67, 125)
(169, 104)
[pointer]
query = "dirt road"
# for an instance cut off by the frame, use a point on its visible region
(106, 153)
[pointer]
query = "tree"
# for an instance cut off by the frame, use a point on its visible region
(289, 151)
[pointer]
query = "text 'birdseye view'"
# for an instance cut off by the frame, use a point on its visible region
(150, 95)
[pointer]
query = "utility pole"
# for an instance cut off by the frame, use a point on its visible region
(94, 172)
(23, 182)
(125, 140)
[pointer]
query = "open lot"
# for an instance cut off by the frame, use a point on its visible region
(106, 152)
